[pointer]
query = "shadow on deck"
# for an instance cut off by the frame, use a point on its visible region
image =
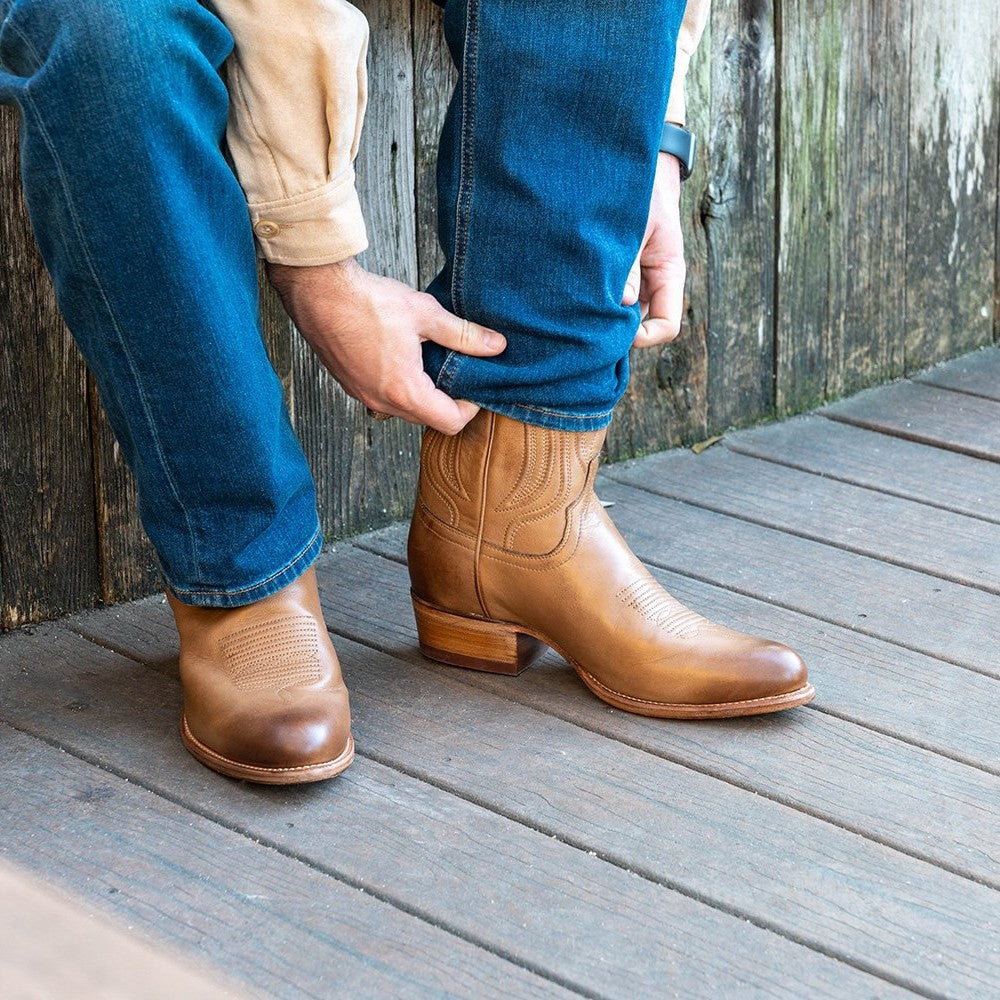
(515, 837)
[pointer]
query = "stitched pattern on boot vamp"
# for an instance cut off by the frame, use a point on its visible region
(655, 604)
(274, 655)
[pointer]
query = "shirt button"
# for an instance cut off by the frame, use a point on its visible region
(265, 229)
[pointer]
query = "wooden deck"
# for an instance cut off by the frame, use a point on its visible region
(504, 837)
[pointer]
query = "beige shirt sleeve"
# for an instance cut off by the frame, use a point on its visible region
(297, 91)
(692, 28)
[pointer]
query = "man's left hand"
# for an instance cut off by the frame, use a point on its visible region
(656, 280)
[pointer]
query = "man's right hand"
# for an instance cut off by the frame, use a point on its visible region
(367, 330)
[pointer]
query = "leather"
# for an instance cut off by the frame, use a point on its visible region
(264, 698)
(507, 528)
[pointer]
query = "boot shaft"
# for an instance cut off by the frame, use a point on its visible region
(499, 484)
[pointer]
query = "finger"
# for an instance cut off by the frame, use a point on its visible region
(631, 293)
(424, 403)
(445, 414)
(462, 335)
(666, 304)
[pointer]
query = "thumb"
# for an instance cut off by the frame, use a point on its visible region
(462, 335)
(631, 294)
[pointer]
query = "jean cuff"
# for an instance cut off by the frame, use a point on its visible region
(235, 597)
(552, 419)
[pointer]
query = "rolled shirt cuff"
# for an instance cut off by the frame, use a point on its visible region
(321, 226)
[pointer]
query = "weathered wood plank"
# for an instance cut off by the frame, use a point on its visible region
(280, 925)
(842, 219)
(969, 425)
(54, 946)
(737, 212)
(951, 190)
(485, 877)
(895, 530)
(48, 535)
(878, 461)
(672, 826)
(434, 77)
(977, 374)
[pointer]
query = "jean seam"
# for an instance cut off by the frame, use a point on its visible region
(565, 416)
(89, 262)
(231, 592)
(448, 370)
(466, 175)
(25, 40)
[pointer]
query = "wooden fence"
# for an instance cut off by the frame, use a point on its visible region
(842, 229)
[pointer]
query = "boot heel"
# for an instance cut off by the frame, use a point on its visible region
(473, 642)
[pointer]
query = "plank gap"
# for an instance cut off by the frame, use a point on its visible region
(740, 449)
(807, 536)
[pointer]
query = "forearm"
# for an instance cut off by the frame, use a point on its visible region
(298, 90)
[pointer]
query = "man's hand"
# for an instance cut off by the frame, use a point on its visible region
(367, 330)
(657, 276)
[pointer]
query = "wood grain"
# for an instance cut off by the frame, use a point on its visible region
(48, 534)
(476, 876)
(738, 213)
(366, 471)
(284, 927)
(54, 947)
(874, 798)
(842, 218)
(977, 374)
(969, 425)
(893, 465)
(934, 541)
(434, 78)
(951, 196)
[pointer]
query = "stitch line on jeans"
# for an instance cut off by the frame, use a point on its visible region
(567, 416)
(449, 370)
(466, 175)
(116, 326)
(25, 40)
(260, 583)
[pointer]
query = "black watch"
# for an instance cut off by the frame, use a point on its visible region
(681, 143)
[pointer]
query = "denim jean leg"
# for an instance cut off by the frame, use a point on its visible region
(145, 232)
(545, 172)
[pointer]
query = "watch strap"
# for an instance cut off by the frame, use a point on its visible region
(681, 143)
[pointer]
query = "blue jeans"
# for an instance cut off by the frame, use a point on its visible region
(546, 168)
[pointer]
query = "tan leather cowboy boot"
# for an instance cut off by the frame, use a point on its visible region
(510, 548)
(264, 699)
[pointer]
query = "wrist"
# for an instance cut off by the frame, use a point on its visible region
(341, 272)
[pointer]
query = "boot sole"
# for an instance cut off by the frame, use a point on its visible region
(506, 648)
(265, 775)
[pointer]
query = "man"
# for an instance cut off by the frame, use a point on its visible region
(558, 214)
